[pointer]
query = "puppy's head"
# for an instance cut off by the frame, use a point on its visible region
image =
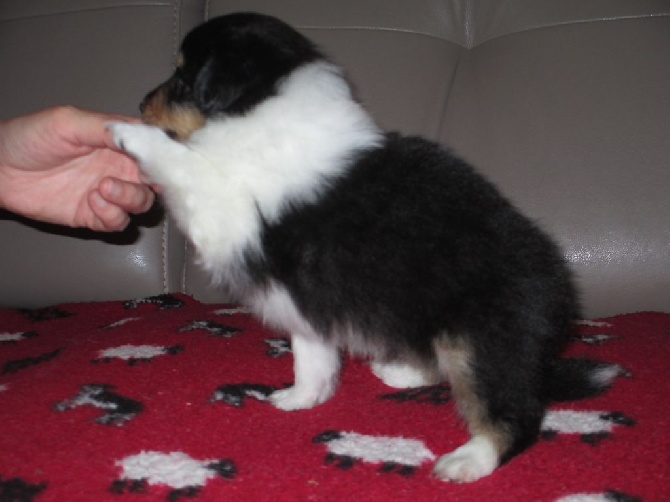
(226, 66)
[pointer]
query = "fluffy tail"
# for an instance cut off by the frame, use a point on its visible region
(577, 378)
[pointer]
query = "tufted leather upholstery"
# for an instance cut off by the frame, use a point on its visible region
(563, 103)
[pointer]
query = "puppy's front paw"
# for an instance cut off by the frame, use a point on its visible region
(295, 398)
(139, 140)
(475, 459)
(155, 152)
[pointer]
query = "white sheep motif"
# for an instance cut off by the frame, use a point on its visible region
(184, 474)
(590, 425)
(136, 353)
(393, 453)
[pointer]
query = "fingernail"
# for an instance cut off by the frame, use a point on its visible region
(112, 188)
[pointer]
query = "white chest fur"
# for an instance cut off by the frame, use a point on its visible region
(235, 170)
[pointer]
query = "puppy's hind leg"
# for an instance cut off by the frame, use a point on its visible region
(316, 364)
(502, 418)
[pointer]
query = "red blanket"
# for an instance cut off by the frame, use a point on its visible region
(163, 399)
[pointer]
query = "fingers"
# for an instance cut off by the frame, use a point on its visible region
(107, 217)
(114, 199)
(84, 127)
(132, 197)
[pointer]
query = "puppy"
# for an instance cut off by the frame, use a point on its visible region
(348, 237)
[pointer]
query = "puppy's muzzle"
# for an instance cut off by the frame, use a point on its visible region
(178, 120)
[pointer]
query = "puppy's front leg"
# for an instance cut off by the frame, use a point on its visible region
(316, 364)
(159, 156)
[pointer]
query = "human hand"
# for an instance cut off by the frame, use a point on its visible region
(61, 166)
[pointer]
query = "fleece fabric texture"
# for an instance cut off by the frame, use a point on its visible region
(164, 398)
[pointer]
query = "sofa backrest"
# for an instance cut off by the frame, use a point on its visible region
(564, 104)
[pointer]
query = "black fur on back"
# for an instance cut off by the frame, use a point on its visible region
(411, 243)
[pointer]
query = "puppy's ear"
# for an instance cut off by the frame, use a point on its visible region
(213, 91)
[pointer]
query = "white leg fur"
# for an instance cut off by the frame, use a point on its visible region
(197, 191)
(402, 375)
(475, 459)
(316, 366)
(153, 149)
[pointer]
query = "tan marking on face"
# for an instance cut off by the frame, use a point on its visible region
(179, 61)
(179, 121)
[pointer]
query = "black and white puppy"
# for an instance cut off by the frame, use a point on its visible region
(347, 237)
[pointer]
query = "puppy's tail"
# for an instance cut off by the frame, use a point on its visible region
(577, 378)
